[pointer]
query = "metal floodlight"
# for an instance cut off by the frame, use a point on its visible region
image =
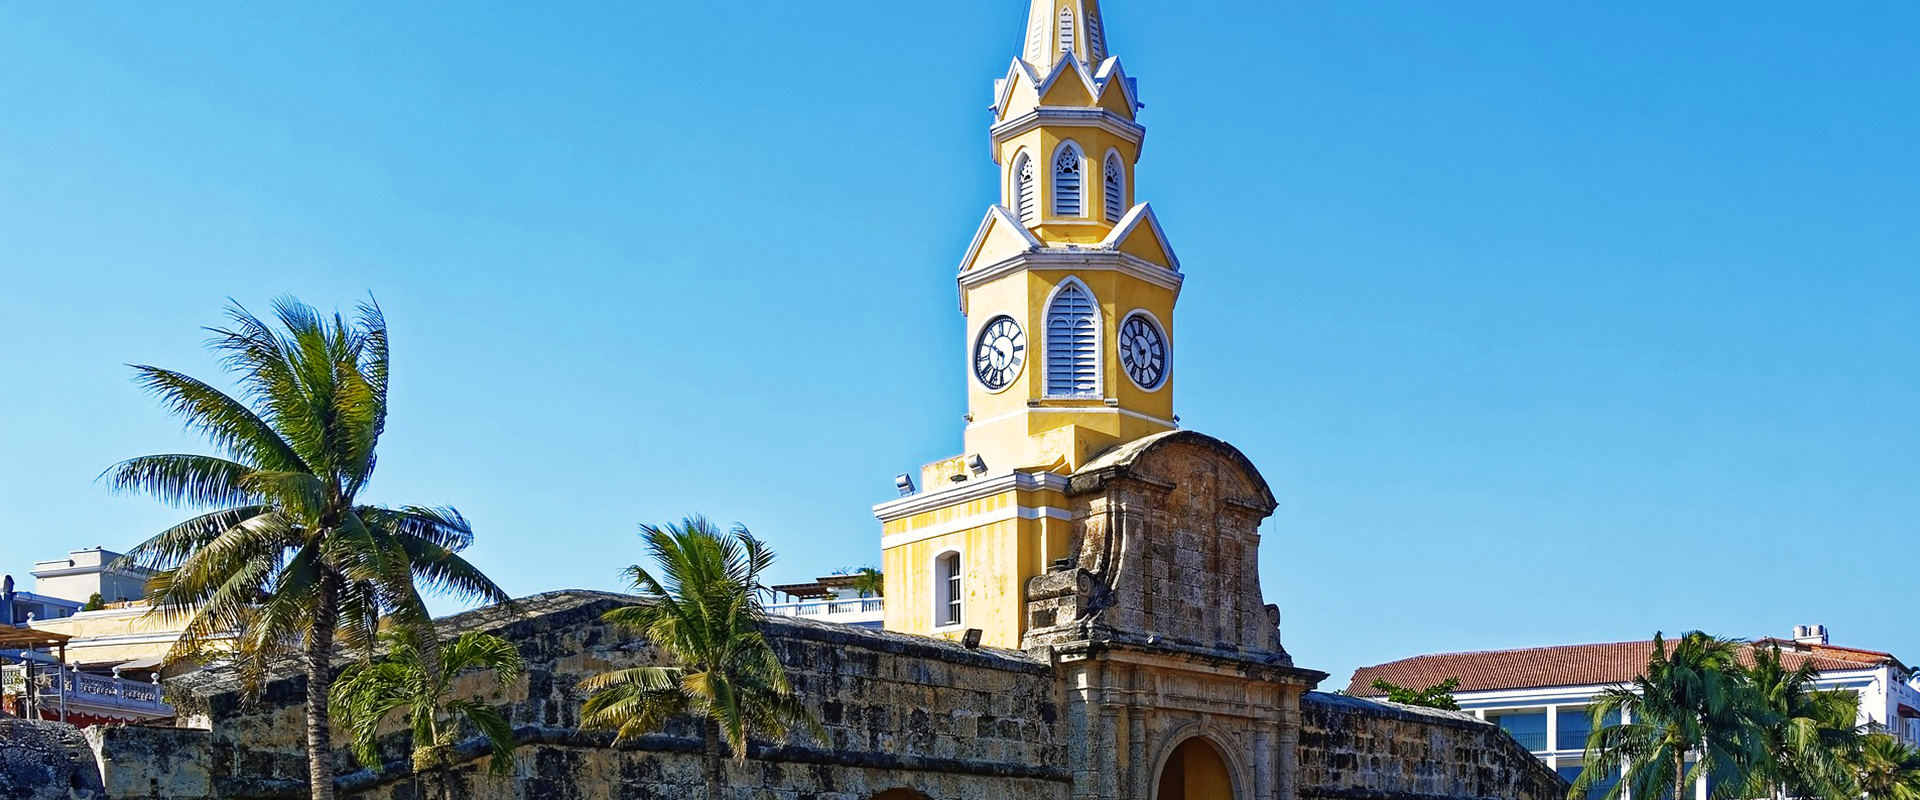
(971, 639)
(977, 464)
(905, 484)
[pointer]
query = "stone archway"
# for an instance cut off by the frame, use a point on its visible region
(1195, 771)
(900, 794)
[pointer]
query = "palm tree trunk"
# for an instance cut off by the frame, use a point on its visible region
(319, 658)
(1679, 774)
(713, 760)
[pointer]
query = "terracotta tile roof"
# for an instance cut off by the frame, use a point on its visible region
(1571, 665)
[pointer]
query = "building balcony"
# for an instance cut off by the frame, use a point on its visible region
(866, 612)
(65, 693)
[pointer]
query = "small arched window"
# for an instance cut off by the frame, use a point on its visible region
(1067, 182)
(1073, 349)
(1066, 29)
(1116, 185)
(1023, 190)
(947, 590)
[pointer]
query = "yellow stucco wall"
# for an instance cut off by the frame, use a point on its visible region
(998, 556)
(116, 635)
(1005, 426)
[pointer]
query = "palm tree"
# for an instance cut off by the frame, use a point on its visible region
(404, 682)
(1808, 733)
(1885, 769)
(869, 582)
(285, 556)
(703, 612)
(1694, 699)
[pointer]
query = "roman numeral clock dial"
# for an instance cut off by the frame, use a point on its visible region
(999, 353)
(1143, 351)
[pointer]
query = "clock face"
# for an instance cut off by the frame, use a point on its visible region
(999, 353)
(1143, 351)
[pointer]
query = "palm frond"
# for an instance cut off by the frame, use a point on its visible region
(184, 480)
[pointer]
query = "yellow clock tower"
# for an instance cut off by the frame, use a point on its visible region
(1068, 289)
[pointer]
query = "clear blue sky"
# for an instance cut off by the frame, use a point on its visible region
(1548, 323)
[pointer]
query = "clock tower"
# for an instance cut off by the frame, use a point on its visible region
(1068, 288)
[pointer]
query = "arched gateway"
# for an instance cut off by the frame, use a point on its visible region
(1195, 771)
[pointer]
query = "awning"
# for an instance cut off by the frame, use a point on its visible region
(13, 637)
(148, 664)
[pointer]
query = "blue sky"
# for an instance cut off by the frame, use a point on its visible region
(1548, 323)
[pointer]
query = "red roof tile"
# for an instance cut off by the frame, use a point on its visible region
(1571, 665)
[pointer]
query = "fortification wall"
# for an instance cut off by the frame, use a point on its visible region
(900, 712)
(1353, 749)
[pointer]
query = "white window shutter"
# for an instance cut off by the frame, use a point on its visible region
(1066, 29)
(1023, 191)
(1073, 354)
(1116, 186)
(1066, 183)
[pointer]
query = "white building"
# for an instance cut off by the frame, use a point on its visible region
(85, 573)
(829, 599)
(1540, 695)
(59, 662)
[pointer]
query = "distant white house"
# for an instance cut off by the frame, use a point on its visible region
(829, 599)
(85, 573)
(58, 662)
(1540, 695)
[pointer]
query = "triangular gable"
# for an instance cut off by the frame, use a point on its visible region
(1116, 89)
(1139, 235)
(1082, 95)
(1017, 90)
(1001, 236)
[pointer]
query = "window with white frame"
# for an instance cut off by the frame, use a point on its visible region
(1066, 29)
(1073, 349)
(946, 590)
(1067, 182)
(1023, 190)
(1116, 186)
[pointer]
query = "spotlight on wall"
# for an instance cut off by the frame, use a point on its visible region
(977, 464)
(970, 639)
(904, 483)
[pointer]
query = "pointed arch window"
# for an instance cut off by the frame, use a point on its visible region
(1116, 186)
(1025, 204)
(1066, 29)
(1067, 182)
(1096, 38)
(1073, 349)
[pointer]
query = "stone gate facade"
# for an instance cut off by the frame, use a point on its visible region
(1152, 670)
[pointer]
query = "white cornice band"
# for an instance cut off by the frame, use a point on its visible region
(969, 491)
(975, 521)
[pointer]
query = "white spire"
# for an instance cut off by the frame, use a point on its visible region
(1057, 26)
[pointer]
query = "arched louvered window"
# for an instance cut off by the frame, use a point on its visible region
(1073, 349)
(1116, 186)
(1067, 182)
(1096, 41)
(1066, 29)
(1025, 204)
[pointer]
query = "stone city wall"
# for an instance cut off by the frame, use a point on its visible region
(899, 711)
(1354, 749)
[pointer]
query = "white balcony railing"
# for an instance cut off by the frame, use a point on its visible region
(858, 609)
(107, 692)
